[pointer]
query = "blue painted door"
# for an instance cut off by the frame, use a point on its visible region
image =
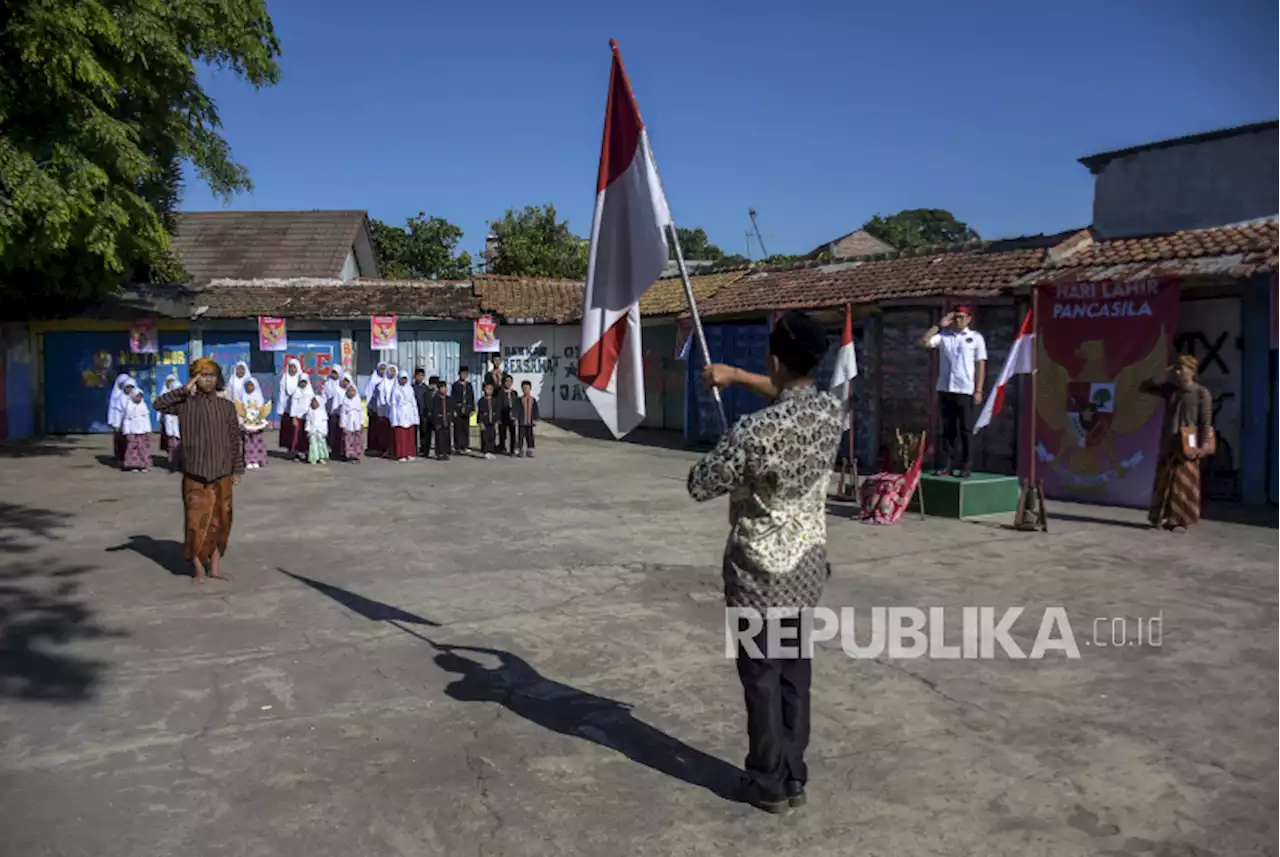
(742, 345)
(79, 368)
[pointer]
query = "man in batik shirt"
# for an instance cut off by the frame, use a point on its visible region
(775, 465)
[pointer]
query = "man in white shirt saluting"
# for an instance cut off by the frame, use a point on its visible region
(962, 372)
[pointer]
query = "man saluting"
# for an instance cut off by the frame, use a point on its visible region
(212, 462)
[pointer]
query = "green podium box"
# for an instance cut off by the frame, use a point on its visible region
(980, 494)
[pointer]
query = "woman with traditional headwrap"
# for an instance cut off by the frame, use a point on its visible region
(137, 431)
(115, 412)
(170, 432)
(252, 410)
(285, 391)
(235, 386)
(212, 462)
(1186, 438)
(351, 417)
(404, 420)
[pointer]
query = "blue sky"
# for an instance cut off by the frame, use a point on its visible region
(817, 114)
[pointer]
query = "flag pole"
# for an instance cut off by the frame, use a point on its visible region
(693, 311)
(1031, 513)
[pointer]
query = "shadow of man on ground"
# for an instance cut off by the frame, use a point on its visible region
(165, 553)
(517, 685)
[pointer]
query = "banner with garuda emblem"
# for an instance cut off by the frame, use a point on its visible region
(1097, 436)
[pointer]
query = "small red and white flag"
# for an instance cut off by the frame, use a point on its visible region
(846, 368)
(628, 254)
(1021, 361)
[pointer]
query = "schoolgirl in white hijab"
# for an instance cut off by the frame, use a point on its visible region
(115, 411)
(284, 394)
(235, 386)
(170, 430)
(137, 431)
(404, 419)
(351, 424)
(317, 424)
(299, 408)
(253, 410)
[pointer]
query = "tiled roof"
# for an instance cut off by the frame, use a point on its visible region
(967, 273)
(667, 297)
(249, 245)
(309, 298)
(1230, 251)
(530, 300)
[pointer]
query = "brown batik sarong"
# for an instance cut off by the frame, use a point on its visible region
(206, 513)
(1176, 500)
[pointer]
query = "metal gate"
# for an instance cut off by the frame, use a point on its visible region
(416, 348)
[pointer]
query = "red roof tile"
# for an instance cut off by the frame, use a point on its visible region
(960, 273)
(249, 245)
(667, 297)
(1250, 239)
(530, 299)
(330, 299)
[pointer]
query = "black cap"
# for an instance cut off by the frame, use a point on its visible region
(463, 368)
(506, 376)
(798, 342)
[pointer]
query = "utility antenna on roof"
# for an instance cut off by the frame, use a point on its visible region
(751, 212)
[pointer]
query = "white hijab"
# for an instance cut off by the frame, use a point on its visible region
(350, 412)
(334, 398)
(254, 399)
(375, 381)
(137, 418)
(116, 401)
(287, 387)
(317, 418)
(235, 386)
(403, 405)
(386, 390)
(300, 402)
(170, 421)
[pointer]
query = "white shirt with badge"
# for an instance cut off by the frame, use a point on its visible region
(958, 354)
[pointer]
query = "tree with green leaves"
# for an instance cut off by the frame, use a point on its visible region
(100, 103)
(533, 243)
(917, 228)
(425, 248)
(694, 244)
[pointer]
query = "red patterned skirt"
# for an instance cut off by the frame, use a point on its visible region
(352, 445)
(255, 448)
(137, 451)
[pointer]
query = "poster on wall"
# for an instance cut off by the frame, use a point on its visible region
(271, 334)
(382, 333)
(1097, 435)
(486, 336)
(143, 338)
(81, 366)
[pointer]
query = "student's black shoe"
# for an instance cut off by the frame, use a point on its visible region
(795, 794)
(942, 473)
(963, 474)
(750, 795)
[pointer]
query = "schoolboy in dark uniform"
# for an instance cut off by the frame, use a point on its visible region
(508, 402)
(463, 400)
(422, 391)
(526, 416)
(440, 413)
(495, 373)
(487, 417)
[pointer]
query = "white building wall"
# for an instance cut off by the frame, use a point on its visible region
(547, 356)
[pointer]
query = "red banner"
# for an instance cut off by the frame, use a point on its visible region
(1097, 436)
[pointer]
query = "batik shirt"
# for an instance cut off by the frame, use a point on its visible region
(775, 465)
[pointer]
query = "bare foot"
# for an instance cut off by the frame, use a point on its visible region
(219, 574)
(198, 576)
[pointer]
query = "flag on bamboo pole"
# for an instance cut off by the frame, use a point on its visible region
(1021, 361)
(846, 368)
(628, 254)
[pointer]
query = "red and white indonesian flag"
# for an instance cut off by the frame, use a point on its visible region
(628, 254)
(1020, 361)
(846, 358)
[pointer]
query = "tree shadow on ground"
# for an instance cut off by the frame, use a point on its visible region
(516, 685)
(39, 447)
(165, 553)
(650, 437)
(39, 612)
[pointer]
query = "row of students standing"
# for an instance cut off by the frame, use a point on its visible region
(320, 420)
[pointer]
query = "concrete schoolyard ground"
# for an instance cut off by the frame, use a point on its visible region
(525, 658)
